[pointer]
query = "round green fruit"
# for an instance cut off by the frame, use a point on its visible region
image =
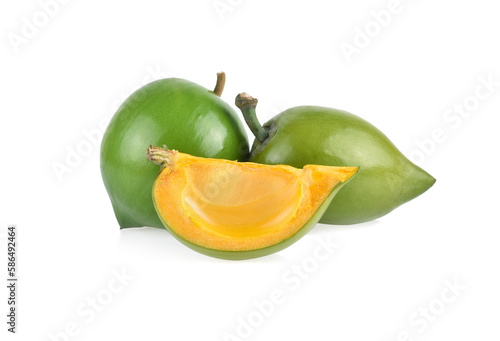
(173, 112)
(318, 135)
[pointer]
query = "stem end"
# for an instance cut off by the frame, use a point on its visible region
(161, 156)
(221, 81)
(245, 100)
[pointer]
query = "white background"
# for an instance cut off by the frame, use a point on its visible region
(69, 76)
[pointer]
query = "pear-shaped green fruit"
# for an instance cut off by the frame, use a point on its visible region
(318, 135)
(172, 112)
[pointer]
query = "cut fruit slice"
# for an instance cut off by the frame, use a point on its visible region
(240, 210)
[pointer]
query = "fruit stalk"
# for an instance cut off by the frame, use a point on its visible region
(221, 81)
(161, 156)
(247, 105)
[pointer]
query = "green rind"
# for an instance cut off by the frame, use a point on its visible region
(242, 255)
(173, 112)
(325, 136)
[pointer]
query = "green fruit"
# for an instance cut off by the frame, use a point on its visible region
(174, 112)
(325, 136)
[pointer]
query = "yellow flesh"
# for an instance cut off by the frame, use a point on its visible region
(227, 205)
(248, 205)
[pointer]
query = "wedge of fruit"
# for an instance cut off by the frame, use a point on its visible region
(239, 210)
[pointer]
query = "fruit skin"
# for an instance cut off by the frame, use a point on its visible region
(173, 112)
(318, 135)
(167, 159)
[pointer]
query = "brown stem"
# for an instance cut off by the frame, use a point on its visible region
(221, 81)
(161, 156)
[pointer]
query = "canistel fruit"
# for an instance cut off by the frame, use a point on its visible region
(173, 111)
(324, 136)
(239, 210)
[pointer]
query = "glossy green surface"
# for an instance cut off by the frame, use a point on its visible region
(241, 255)
(325, 136)
(173, 112)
